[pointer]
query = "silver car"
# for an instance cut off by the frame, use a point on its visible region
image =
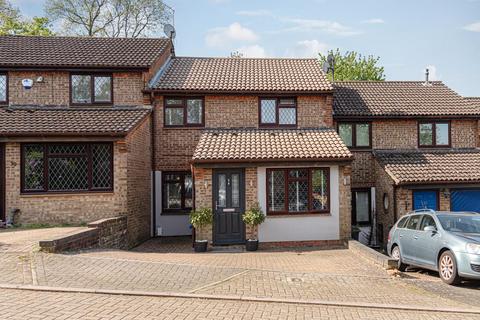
(447, 242)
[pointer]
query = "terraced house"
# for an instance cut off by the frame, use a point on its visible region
(415, 146)
(95, 128)
(100, 128)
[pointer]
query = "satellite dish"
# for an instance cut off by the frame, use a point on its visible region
(326, 67)
(169, 30)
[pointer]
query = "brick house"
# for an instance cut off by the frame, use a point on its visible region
(415, 146)
(233, 132)
(75, 129)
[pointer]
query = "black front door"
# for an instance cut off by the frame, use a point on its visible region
(2, 183)
(229, 205)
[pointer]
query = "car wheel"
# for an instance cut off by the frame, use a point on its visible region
(448, 268)
(397, 255)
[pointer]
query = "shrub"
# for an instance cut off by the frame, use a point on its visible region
(254, 216)
(201, 217)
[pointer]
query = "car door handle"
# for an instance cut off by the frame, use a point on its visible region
(401, 236)
(415, 237)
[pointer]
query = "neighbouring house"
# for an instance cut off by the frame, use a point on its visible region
(75, 129)
(415, 146)
(231, 132)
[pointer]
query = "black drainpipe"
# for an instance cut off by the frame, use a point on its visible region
(154, 184)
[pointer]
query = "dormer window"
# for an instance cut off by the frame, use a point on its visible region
(87, 89)
(3, 88)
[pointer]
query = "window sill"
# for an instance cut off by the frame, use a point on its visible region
(63, 194)
(176, 213)
(297, 215)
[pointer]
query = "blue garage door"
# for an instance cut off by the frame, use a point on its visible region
(465, 200)
(425, 200)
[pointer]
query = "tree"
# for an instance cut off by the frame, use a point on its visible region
(109, 18)
(353, 66)
(12, 23)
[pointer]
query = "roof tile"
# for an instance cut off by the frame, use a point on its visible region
(80, 52)
(398, 98)
(243, 74)
(271, 144)
(54, 121)
(410, 167)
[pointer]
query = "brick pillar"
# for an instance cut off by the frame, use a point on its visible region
(345, 173)
(203, 199)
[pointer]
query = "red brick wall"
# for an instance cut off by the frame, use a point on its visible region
(55, 90)
(139, 166)
(175, 146)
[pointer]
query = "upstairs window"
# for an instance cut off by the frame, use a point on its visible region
(281, 112)
(66, 167)
(433, 134)
(177, 192)
(184, 112)
(91, 89)
(3, 88)
(355, 135)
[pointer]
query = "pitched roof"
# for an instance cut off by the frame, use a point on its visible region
(243, 75)
(256, 145)
(80, 52)
(419, 167)
(397, 99)
(474, 101)
(65, 121)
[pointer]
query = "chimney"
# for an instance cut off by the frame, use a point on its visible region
(427, 82)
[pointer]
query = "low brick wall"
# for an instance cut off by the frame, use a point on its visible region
(106, 233)
(323, 244)
(372, 255)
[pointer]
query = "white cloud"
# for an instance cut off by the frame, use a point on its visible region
(475, 27)
(235, 32)
(374, 21)
(306, 49)
(432, 73)
(331, 27)
(253, 51)
(255, 13)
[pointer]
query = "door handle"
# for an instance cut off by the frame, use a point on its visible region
(415, 237)
(401, 236)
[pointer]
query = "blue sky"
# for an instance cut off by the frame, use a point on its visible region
(408, 35)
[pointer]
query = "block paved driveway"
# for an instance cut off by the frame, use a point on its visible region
(326, 284)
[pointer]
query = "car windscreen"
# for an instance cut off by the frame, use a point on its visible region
(460, 223)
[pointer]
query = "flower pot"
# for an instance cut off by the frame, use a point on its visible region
(200, 245)
(251, 245)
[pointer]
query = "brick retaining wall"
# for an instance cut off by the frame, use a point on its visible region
(106, 233)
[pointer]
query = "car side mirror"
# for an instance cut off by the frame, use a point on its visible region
(430, 228)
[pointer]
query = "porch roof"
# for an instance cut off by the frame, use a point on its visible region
(23, 121)
(259, 145)
(432, 166)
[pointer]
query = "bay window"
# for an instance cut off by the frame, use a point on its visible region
(297, 191)
(65, 167)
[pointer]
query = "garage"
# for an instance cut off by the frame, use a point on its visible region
(465, 200)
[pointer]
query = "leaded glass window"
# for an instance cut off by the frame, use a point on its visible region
(67, 167)
(177, 192)
(91, 89)
(303, 190)
(278, 112)
(181, 112)
(3, 88)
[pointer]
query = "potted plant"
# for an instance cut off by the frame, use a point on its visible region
(355, 232)
(201, 218)
(253, 217)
